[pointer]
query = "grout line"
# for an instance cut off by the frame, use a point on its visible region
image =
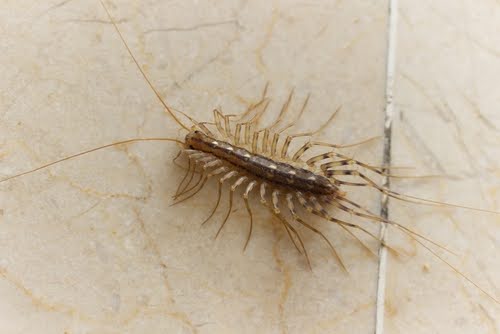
(389, 114)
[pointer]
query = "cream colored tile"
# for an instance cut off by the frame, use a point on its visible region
(448, 65)
(93, 245)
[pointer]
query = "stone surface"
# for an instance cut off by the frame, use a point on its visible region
(93, 245)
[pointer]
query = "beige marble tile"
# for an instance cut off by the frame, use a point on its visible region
(93, 245)
(448, 65)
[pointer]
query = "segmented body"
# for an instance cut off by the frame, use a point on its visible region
(265, 168)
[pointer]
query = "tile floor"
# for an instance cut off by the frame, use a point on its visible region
(93, 245)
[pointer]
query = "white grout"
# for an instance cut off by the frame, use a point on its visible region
(389, 113)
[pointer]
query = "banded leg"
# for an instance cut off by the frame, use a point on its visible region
(284, 110)
(190, 170)
(174, 160)
(208, 160)
(263, 201)
(277, 212)
(217, 119)
(219, 194)
(252, 136)
(192, 155)
(202, 182)
(276, 136)
(269, 129)
(304, 148)
(222, 180)
(296, 217)
(347, 161)
(292, 123)
(253, 106)
(232, 190)
(373, 217)
(249, 188)
(367, 249)
(237, 133)
(253, 119)
(384, 190)
(190, 165)
(288, 140)
(411, 234)
(325, 215)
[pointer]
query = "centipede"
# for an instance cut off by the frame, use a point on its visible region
(304, 183)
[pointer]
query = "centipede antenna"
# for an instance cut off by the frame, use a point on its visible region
(200, 125)
(121, 142)
(142, 71)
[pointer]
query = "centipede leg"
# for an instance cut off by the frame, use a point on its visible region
(190, 170)
(412, 235)
(263, 201)
(252, 106)
(292, 123)
(201, 183)
(221, 181)
(296, 217)
(277, 212)
(249, 188)
(229, 210)
(367, 249)
(174, 160)
(210, 162)
(373, 217)
(308, 145)
(346, 161)
(325, 215)
(192, 156)
(187, 190)
(284, 110)
(219, 195)
(217, 119)
(288, 140)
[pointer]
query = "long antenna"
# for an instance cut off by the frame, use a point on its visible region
(170, 112)
(89, 151)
